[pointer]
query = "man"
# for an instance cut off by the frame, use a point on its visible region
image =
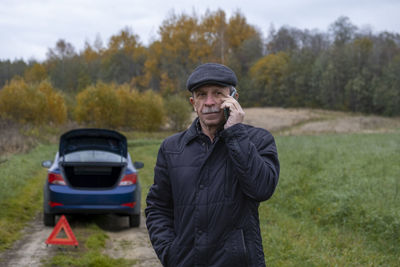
(202, 209)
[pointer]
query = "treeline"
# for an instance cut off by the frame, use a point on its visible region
(345, 68)
(101, 105)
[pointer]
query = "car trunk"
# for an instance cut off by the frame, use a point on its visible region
(92, 158)
(92, 175)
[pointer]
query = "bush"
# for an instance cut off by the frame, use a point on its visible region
(99, 106)
(130, 104)
(32, 103)
(151, 115)
(116, 106)
(178, 111)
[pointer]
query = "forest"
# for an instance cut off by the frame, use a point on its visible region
(344, 68)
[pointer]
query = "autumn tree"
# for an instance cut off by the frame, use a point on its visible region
(36, 73)
(268, 74)
(32, 103)
(119, 106)
(98, 105)
(179, 43)
(123, 60)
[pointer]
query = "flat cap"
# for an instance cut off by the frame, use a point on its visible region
(211, 73)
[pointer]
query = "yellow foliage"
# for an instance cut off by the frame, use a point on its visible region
(56, 106)
(238, 30)
(269, 69)
(32, 103)
(151, 111)
(167, 84)
(36, 73)
(116, 106)
(98, 106)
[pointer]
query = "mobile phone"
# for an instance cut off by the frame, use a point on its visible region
(226, 110)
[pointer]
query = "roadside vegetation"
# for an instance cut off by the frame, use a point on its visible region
(336, 203)
(21, 191)
(89, 253)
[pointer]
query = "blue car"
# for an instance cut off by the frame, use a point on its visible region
(92, 173)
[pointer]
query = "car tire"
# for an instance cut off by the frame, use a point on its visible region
(134, 220)
(49, 219)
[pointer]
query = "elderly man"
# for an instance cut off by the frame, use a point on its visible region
(202, 209)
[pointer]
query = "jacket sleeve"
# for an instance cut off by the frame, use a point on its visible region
(255, 160)
(159, 211)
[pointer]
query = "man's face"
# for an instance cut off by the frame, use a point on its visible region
(207, 102)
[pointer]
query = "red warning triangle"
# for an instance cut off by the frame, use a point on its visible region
(69, 240)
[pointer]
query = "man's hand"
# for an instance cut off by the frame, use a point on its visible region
(236, 113)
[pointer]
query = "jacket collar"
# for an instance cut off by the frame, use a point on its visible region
(194, 131)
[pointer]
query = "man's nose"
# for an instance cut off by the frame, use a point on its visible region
(210, 100)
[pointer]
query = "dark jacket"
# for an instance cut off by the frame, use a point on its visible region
(202, 209)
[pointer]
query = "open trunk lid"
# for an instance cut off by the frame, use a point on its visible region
(93, 139)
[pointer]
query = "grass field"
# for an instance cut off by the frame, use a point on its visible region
(336, 204)
(337, 201)
(21, 184)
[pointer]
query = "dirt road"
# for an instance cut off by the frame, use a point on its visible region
(134, 243)
(123, 242)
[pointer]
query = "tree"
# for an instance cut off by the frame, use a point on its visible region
(282, 41)
(36, 73)
(99, 106)
(242, 37)
(342, 30)
(64, 66)
(178, 111)
(268, 74)
(124, 59)
(387, 94)
(180, 43)
(8, 70)
(32, 103)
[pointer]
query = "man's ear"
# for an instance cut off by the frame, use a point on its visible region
(191, 99)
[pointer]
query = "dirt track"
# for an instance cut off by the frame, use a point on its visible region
(123, 242)
(134, 243)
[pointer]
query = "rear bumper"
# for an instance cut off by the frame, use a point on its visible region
(69, 200)
(84, 209)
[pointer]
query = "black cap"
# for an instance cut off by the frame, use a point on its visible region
(211, 73)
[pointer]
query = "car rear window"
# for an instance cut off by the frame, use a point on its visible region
(93, 156)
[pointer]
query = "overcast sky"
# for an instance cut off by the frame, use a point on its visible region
(29, 27)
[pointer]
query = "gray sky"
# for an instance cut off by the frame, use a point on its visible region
(29, 27)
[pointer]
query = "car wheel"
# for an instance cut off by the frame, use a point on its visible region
(134, 220)
(49, 219)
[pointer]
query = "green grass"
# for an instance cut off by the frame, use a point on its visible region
(337, 202)
(21, 168)
(21, 182)
(145, 151)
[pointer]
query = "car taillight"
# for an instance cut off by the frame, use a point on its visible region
(53, 204)
(56, 178)
(129, 179)
(130, 204)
